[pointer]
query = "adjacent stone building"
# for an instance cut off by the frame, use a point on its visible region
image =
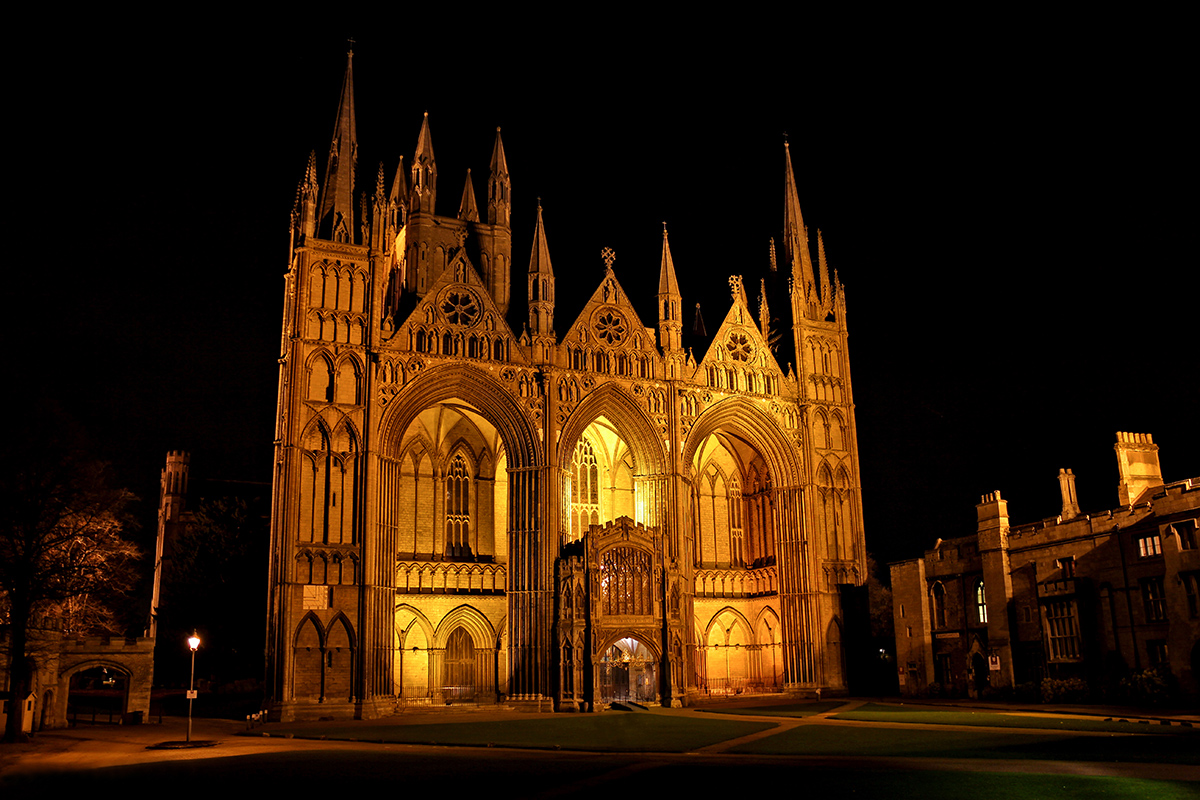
(557, 517)
(1089, 596)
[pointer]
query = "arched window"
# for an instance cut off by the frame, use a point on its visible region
(737, 556)
(458, 510)
(980, 602)
(585, 488)
(937, 597)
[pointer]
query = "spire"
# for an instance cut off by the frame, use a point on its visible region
(764, 312)
(308, 198)
(795, 234)
(379, 215)
(541, 291)
(499, 187)
(424, 171)
(336, 219)
(826, 288)
(670, 301)
(467, 210)
(539, 259)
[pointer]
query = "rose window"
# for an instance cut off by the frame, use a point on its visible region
(739, 347)
(460, 308)
(610, 326)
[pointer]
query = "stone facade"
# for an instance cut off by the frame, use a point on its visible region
(462, 512)
(1089, 596)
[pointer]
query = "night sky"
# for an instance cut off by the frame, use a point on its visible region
(1007, 215)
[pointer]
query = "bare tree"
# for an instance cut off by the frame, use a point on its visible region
(62, 556)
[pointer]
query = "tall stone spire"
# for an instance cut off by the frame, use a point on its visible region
(467, 210)
(825, 286)
(499, 200)
(541, 292)
(424, 172)
(670, 301)
(764, 312)
(308, 198)
(336, 216)
(795, 234)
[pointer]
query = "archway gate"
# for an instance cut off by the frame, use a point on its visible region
(619, 625)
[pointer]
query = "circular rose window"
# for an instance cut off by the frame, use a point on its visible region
(460, 308)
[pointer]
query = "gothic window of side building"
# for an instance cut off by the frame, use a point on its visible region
(1186, 531)
(1153, 599)
(1067, 565)
(1062, 630)
(981, 602)
(937, 598)
(1191, 588)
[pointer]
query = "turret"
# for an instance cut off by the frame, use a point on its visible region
(424, 172)
(541, 293)
(336, 216)
(467, 210)
(499, 188)
(670, 302)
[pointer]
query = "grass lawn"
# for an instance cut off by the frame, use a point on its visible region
(619, 732)
(865, 741)
(939, 715)
(776, 710)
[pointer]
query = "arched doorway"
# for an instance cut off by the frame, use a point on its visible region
(458, 674)
(628, 672)
(97, 696)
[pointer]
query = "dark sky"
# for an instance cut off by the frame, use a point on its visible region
(1007, 214)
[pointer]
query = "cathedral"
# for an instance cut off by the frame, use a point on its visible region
(474, 504)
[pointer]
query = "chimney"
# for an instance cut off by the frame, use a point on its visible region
(1070, 502)
(1137, 462)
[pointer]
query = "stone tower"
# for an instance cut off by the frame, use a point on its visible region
(569, 514)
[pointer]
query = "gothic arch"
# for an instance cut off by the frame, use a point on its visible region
(470, 619)
(751, 423)
(632, 425)
(467, 383)
(650, 642)
(751, 634)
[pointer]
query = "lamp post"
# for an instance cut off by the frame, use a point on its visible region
(194, 643)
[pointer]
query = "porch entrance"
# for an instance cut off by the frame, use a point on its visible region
(628, 672)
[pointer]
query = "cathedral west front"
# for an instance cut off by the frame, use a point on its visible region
(563, 512)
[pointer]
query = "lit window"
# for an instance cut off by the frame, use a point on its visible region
(981, 602)
(585, 489)
(458, 510)
(1149, 546)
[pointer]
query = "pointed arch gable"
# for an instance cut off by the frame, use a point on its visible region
(631, 422)
(750, 632)
(470, 619)
(485, 393)
(744, 418)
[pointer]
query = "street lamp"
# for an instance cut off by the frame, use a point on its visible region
(194, 643)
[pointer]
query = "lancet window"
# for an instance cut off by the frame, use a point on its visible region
(625, 578)
(737, 552)
(458, 509)
(585, 488)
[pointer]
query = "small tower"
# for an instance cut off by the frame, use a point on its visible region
(172, 497)
(467, 210)
(499, 188)
(336, 216)
(541, 294)
(1066, 486)
(1137, 462)
(670, 302)
(424, 172)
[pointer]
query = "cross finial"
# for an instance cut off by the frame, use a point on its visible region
(609, 257)
(350, 42)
